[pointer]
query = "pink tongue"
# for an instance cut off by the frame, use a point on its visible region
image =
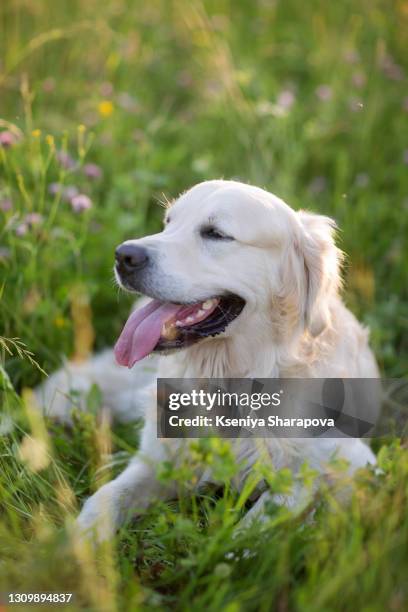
(142, 331)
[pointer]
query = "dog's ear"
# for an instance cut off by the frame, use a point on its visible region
(313, 265)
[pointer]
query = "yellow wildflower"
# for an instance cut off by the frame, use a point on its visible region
(59, 321)
(105, 108)
(50, 141)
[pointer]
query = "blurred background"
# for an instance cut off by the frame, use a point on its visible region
(108, 108)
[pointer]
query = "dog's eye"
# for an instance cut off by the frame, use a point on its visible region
(212, 233)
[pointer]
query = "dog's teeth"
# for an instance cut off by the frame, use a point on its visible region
(169, 331)
(200, 313)
(165, 329)
(189, 319)
(208, 304)
(179, 323)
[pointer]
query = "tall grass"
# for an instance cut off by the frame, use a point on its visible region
(105, 110)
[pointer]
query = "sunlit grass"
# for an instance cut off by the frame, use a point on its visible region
(107, 110)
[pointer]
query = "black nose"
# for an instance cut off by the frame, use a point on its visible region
(130, 257)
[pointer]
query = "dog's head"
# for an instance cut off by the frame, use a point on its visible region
(229, 255)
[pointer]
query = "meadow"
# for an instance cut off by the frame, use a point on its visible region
(106, 110)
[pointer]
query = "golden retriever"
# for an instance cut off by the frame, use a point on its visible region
(241, 286)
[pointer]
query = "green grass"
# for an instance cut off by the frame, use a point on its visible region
(305, 99)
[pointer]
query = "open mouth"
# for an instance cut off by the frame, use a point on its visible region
(161, 326)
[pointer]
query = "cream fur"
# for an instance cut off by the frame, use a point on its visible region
(286, 266)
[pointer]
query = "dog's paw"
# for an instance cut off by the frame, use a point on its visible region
(61, 393)
(99, 517)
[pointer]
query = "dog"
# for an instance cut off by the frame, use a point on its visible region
(240, 285)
